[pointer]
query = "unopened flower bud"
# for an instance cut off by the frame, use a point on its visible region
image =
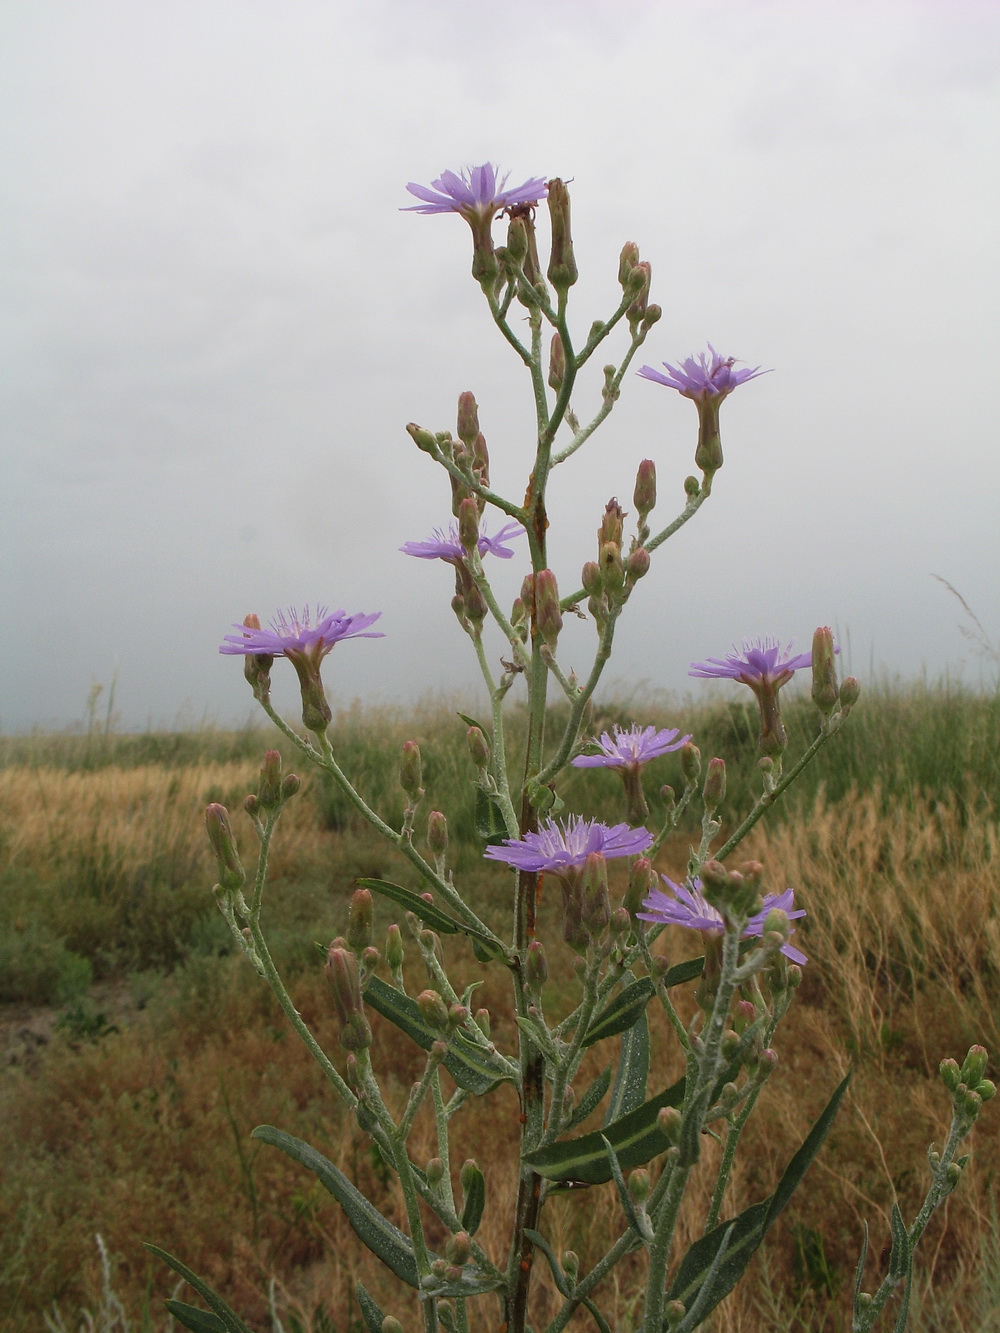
(668, 1122)
(359, 921)
(433, 1010)
(675, 1312)
(692, 487)
(390, 1324)
(548, 615)
(596, 904)
(269, 784)
(437, 833)
(468, 523)
(974, 1065)
(612, 524)
(422, 438)
(714, 790)
(257, 666)
(850, 692)
(557, 362)
(434, 1171)
(570, 1262)
(639, 281)
(342, 971)
(627, 261)
(637, 565)
(612, 567)
(394, 952)
(252, 806)
(290, 786)
(457, 1014)
(536, 968)
(639, 1184)
(459, 1248)
(590, 577)
(645, 488)
(468, 418)
(652, 316)
(371, 957)
(986, 1089)
(950, 1074)
(220, 834)
(620, 922)
(479, 748)
(410, 772)
(562, 271)
(482, 1019)
(641, 878)
(824, 671)
(690, 763)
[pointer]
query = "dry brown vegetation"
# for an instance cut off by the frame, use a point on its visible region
(132, 1120)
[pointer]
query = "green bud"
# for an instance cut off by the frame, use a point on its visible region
(468, 523)
(636, 566)
(644, 496)
(824, 671)
(690, 763)
(591, 578)
(557, 362)
(459, 1248)
(639, 1184)
(596, 904)
(714, 790)
(641, 878)
(410, 772)
(668, 1122)
(479, 748)
(257, 666)
(482, 1020)
(638, 283)
(290, 786)
(570, 1262)
(951, 1076)
(437, 833)
(627, 262)
(468, 418)
(612, 524)
(692, 487)
(850, 692)
(359, 921)
(469, 1174)
(220, 834)
(562, 271)
(434, 1171)
(269, 785)
(675, 1312)
(423, 439)
(974, 1065)
(394, 952)
(433, 1010)
(548, 615)
(986, 1090)
(342, 972)
(612, 567)
(390, 1324)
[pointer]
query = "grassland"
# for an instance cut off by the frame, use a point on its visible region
(139, 1050)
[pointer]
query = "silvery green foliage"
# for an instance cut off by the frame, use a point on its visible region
(647, 1148)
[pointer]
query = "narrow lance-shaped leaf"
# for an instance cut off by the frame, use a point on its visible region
(590, 1099)
(474, 1191)
(370, 1312)
(199, 1321)
(621, 1013)
(430, 914)
(227, 1316)
(629, 1091)
(743, 1234)
(469, 1065)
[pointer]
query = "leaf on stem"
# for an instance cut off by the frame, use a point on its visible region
(472, 1068)
(199, 1321)
(623, 1012)
(629, 1091)
(741, 1235)
(227, 1318)
(590, 1099)
(430, 914)
(370, 1312)
(474, 1190)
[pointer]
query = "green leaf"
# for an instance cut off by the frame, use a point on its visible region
(859, 1272)
(621, 1012)
(474, 1199)
(490, 823)
(472, 1067)
(377, 1232)
(370, 1312)
(558, 1276)
(628, 1204)
(629, 1091)
(228, 1318)
(471, 722)
(590, 1099)
(899, 1256)
(634, 1137)
(740, 1236)
(430, 914)
(199, 1321)
(693, 968)
(383, 1239)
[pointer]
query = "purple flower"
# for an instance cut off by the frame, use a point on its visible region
(762, 662)
(562, 847)
(633, 747)
(446, 546)
(702, 378)
(478, 193)
(688, 907)
(298, 637)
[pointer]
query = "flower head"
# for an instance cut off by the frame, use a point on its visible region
(703, 377)
(293, 635)
(446, 546)
(760, 661)
(478, 193)
(633, 747)
(565, 846)
(687, 906)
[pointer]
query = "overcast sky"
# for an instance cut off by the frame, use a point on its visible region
(217, 323)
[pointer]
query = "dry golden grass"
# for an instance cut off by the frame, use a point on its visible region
(144, 1134)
